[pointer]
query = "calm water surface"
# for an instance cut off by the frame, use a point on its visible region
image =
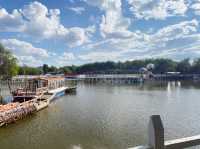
(108, 117)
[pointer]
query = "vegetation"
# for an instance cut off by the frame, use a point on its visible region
(9, 67)
(8, 64)
(160, 66)
(25, 70)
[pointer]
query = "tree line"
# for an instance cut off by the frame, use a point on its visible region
(9, 66)
(161, 66)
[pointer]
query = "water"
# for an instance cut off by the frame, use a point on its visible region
(108, 117)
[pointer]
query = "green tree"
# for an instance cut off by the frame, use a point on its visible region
(196, 66)
(65, 70)
(164, 65)
(45, 69)
(184, 66)
(25, 70)
(8, 63)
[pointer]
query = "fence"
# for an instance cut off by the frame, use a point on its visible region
(156, 137)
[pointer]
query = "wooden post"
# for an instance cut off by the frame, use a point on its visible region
(156, 132)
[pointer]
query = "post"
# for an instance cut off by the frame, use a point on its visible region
(156, 132)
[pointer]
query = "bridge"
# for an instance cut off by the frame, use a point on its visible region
(112, 78)
(132, 78)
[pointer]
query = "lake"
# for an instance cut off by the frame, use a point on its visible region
(101, 116)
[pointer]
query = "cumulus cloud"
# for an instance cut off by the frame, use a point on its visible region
(78, 36)
(157, 9)
(101, 56)
(26, 52)
(173, 41)
(176, 31)
(11, 22)
(196, 7)
(68, 56)
(119, 39)
(65, 59)
(113, 23)
(36, 20)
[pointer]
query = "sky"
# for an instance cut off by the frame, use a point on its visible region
(66, 32)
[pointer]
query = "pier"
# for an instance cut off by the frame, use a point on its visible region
(175, 77)
(131, 78)
(156, 139)
(111, 79)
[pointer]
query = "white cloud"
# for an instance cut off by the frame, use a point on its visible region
(157, 9)
(30, 61)
(41, 21)
(68, 56)
(37, 21)
(10, 22)
(65, 59)
(120, 41)
(196, 7)
(77, 10)
(174, 41)
(26, 52)
(176, 31)
(76, 37)
(101, 56)
(113, 24)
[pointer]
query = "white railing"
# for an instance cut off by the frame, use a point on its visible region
(156, 137)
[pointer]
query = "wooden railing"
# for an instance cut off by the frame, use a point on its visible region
(156, 137)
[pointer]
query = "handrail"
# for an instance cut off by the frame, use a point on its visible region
(156, 137)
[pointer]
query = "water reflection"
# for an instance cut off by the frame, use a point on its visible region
(173, 88)
(103, 116)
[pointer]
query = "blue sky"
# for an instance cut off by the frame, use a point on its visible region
(67, 32)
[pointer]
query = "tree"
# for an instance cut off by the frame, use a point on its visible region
(184, 66)
(65, 70)
(196, 66)
(8, 63)
(164, 65)
(52, 70)
(25, 70)
(45, 69)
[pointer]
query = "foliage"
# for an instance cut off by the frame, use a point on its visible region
(184, 66)
(164, 65)
(156, 65)
(9, 67)
(65, 70)
(25, 70)
(45, 68)
(196, 66)
(8, 63)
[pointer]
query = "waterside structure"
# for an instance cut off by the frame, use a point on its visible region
(133, 78)
(35, 95)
